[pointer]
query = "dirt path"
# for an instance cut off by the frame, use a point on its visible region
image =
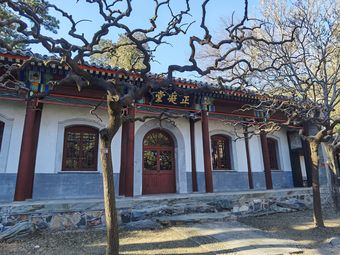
(275, 234)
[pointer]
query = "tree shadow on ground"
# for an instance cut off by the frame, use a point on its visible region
(198, 242)
(298, 226)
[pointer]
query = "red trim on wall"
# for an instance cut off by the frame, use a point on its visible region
(29, 144)
(130, 150)
(6, 55)
(193, 155)
(250, 175)
(123, 159)
(206, 153)
(266, 161)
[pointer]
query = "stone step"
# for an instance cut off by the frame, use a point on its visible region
(194, 218)
(131, 215)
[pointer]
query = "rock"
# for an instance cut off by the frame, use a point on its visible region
(292, 204)
(18, 230)
(125, 216)
(222, 204)
(41, 225)
(142, 225)
(138, 215)
(257, 205)
(243, 208)
(236, 209)
(280, 209)
(334, 241)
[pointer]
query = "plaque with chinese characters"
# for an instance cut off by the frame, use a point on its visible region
(170, 98)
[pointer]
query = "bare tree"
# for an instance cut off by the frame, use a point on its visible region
(114, 15)
(301, 78)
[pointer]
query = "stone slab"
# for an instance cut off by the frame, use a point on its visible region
(194, 217)
(233, 237)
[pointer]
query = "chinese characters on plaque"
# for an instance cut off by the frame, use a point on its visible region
(170, 98)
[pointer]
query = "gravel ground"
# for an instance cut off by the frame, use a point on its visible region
(297, 226)
(91, 242)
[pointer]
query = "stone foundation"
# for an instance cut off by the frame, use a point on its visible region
(80, 214)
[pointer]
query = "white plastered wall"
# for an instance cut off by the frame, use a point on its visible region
(12, 113)
(283, 151)
(282, 141)
(54, 119)
(199, 147)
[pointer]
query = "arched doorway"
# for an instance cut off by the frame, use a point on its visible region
(158, 163)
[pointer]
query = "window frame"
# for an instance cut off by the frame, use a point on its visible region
(159, 148)
(81, 129)
(229, 156)
(275, 142)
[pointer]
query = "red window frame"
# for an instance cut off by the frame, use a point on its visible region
(81, 165)
(221, 160)
(273, 153)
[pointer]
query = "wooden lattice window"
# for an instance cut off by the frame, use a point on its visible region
(2, 127)
(80, 149)
(273, 153)
(221, 152)
(158, 150)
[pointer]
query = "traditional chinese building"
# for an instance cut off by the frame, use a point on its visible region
(49, 147)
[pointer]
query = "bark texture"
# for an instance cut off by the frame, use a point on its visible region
(114, 110)
(109, 197)
(334, 189)
(317, 209)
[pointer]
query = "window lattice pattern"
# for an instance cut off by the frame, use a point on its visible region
(221, 158)
(158, 151)
(80, 149)
(273, 153)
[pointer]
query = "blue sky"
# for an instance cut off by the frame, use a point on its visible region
(176, 53)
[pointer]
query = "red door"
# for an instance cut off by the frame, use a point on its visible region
(158, 163)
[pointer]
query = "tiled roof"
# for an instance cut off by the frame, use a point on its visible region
(109, 71)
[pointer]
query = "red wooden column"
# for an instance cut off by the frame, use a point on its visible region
(193, 155)
(206, 153)
(130, 152)
(250, 175)
(266, 161)
(28, 151)
(123, 159)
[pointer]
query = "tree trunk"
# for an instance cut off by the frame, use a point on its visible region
(334, 189)
(109, 196)
(318, 221)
